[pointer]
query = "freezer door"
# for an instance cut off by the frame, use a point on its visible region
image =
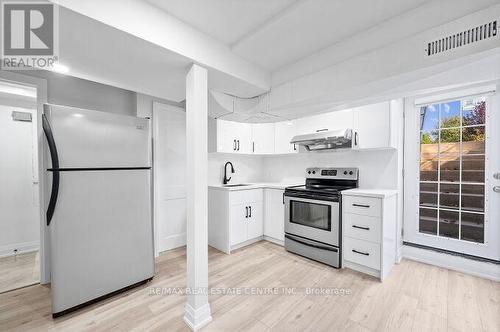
(92, 139)
(101, 235)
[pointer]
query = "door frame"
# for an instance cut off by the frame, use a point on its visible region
(411, 160)
(40, 85)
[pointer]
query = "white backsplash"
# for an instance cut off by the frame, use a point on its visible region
(247, 168)
(377, 168)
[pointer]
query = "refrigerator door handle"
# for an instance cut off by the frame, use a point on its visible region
(55, 167)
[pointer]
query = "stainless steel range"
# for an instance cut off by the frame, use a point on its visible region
(313, 216)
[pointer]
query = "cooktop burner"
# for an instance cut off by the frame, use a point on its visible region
(328, 181)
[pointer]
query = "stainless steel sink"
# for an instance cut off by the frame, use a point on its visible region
(237, 185)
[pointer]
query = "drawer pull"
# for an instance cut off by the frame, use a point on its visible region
(360, 252)
(361, 227)
(360, 205)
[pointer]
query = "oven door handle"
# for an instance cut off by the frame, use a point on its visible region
(317, 246)
(310, 197)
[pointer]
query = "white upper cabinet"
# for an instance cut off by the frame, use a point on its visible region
(283, 134)
(243, 137)
(263, 138)
(327, 121)
(376, 125)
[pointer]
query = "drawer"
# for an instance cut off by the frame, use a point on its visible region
(363, 227)
(246, 196)
(362, 252)
(366, 206)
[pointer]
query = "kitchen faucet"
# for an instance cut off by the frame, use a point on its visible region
(226, 179)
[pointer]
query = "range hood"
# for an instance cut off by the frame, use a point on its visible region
(327, 140)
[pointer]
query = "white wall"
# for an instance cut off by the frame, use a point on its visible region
(247, 168)
(377, 168)
(19, 223)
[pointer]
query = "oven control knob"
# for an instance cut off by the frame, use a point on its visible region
(314, 172)
(309, 172)
(350, 173)
(345, 172)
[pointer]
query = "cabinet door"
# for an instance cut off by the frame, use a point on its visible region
(255, 220)
(283, 134)
(327, 121)
(238, 223)
(372, 122)
(243, 134)
(274, 221)
(263, 138)
(226, 136)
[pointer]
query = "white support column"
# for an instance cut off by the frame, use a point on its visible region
(197, 310)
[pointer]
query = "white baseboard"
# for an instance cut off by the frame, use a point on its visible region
(172, 242)
(197, 318)
(247, 243)
(273, 240)
(22, 248)
(465, 265)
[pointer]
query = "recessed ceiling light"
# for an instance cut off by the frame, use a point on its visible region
(60, 68)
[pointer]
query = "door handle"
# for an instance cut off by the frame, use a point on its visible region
(496, 176)
(496, 189)
(360, 227)
(234, 145)
(238, 142)
(246, 208)
(250, 214)
(295, 147)
(54, 193)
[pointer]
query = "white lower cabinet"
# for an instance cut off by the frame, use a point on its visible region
(235, 218)
(369, 223)
(274, 219)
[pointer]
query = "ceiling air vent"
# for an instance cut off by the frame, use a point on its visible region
(462, 38)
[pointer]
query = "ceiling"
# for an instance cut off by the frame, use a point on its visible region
(277, 33)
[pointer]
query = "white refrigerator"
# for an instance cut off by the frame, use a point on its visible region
(98, 204)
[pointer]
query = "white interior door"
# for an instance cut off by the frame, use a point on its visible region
(169, 138)
(19, 202)
(451, 158)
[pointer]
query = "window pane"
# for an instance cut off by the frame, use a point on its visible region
(429, 117)
(450, 136)
(473, 140)
(473, 112)
(450, 167)
(428, 194)
(473, 197)
(450, 114)
(428, 221)
(448, 224)
(428, 141)
(473, 168)
(429, 169)
(449, 196)
(473, 227)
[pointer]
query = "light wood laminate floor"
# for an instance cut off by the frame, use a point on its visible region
(415, 297)
(19, 271)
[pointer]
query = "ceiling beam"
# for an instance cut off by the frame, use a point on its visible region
(144, 21)
(264, 25)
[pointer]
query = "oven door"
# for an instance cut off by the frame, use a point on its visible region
(314, 219)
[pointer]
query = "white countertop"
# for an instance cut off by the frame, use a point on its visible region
(382, 193)
(257, 185)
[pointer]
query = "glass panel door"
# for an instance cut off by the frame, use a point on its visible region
(452, 194)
